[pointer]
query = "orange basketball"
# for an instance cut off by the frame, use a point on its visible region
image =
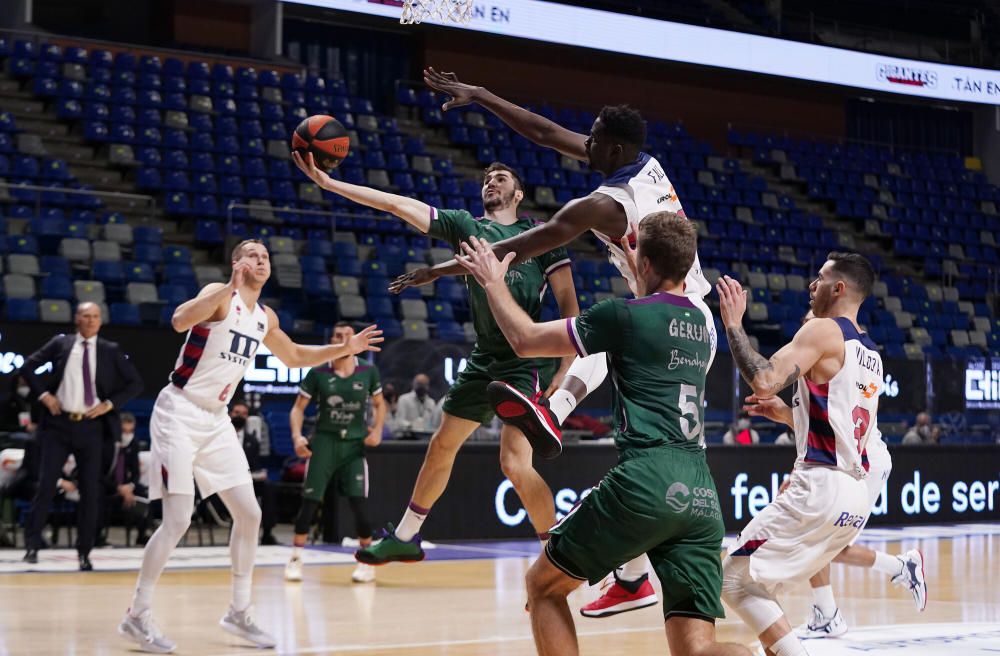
(323, 136)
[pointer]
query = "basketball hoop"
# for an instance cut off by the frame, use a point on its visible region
(442, 11)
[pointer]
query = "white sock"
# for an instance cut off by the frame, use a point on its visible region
(823, 598)
(562, 404)
(633, 570)
(241, 591)
(412, 520)
(296, 552)
(887, 564)
(177, 509)
(243, 508)
(788, 646)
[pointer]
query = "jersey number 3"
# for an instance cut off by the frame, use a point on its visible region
(861, 418)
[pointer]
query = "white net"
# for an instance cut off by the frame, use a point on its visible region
(443, 11)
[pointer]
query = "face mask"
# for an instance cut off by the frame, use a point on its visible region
(239, 422)
(420, 390)
(23, 391)
(127, 438)
(743, 424)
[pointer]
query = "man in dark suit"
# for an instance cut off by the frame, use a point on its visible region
(92, 379)
(125, 495)
(239, 412)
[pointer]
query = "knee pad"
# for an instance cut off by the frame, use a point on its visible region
(591, 370)
(754, 603)
(306, 514)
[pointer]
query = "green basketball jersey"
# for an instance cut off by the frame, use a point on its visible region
(527, 281)
(341, 402)
(658, 349)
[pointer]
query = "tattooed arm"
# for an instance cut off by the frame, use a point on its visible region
(767, 377)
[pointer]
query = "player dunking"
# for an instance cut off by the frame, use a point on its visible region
(635, 185)
(837, 371)
(906, 570)
(660, 499)
(467, 404)
(193, 438)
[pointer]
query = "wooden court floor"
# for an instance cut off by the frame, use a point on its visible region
(467, 607)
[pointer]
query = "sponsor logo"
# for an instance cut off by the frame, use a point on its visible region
(260, 325)
(678, 497)
(907, 76)
(681, 360)
(851, 520)
(867, 391)
(357, 386)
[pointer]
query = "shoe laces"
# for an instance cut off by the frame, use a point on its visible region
(819, 621)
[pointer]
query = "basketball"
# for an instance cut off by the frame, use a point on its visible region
(323, 136)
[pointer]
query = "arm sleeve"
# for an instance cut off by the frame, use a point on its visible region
(599, 329)
(453, 226)
(554, 259)
(374, 382)
(307, 387)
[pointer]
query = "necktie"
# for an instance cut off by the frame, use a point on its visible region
(88, 386)
(120, 468)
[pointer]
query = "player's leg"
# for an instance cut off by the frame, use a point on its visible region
(138, 623)
(695, 636)
(551, 620)
(535, 494)
(541, 419)
(352, 482)
(905, 570)
(758, 608)
(319, 470)
(403, 542)
(827, 621)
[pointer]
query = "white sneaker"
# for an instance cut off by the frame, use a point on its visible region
(363, 574)
(145, 633)
(293, 570)
(241, 624)
(912, 577)
(821, 626)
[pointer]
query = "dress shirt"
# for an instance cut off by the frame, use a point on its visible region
(70, 392)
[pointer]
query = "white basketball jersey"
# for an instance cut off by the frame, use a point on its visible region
(834, 421)
(216, 354)
(642, 188)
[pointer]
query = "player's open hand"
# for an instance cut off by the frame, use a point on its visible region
(239, 275)
(478, 259)
(632, 260)
(732, 301)
(366, 340)
(313, 172)
(461, 93)
(772, 408)
(415, 278)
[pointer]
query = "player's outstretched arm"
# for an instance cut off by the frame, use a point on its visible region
(529, 125)
(767, 377)
(527, 338)
(301, 355)
(415, 212)
(596, 211)
(772, 408)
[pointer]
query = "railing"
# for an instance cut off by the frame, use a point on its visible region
(782, 131)
(113, 195)
(276, 220)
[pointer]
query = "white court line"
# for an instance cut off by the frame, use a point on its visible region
(454, 643)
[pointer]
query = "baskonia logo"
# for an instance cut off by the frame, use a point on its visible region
(913, 77)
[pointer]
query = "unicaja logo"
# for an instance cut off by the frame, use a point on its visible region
(907, 75)
(678, 497)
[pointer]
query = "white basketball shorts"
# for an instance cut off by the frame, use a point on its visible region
(801, 531)
(191, 444)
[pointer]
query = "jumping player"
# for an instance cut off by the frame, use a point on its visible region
(467, 404)
(193, 438)
(837, 371)
(660, 499)
(635, 185)
(336, 451)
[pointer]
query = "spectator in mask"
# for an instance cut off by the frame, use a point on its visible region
(239, 412)
(922, 432)
(391, 428)
(741, 432)
(415, 413)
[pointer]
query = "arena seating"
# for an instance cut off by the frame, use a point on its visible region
(211, 143)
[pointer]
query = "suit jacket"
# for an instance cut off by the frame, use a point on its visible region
(117, 379)
(131, 467)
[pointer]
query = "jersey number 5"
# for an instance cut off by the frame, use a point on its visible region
(690, 402)
(861, 418)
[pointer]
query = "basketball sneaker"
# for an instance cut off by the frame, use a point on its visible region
(391, 549)
(531, 416)
(363, 574)
(241, 624)
(821, 626)
(293, 570)
(145, 633)
(617, 599)
(912, 577)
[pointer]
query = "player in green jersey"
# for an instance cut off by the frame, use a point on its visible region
(336, 450)
(467, 404)
(660, 499)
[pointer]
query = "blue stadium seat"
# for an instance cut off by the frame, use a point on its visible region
(125, 314)
(21, 309)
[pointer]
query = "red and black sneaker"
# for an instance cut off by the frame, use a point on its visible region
(618, 599)
(531, 416)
